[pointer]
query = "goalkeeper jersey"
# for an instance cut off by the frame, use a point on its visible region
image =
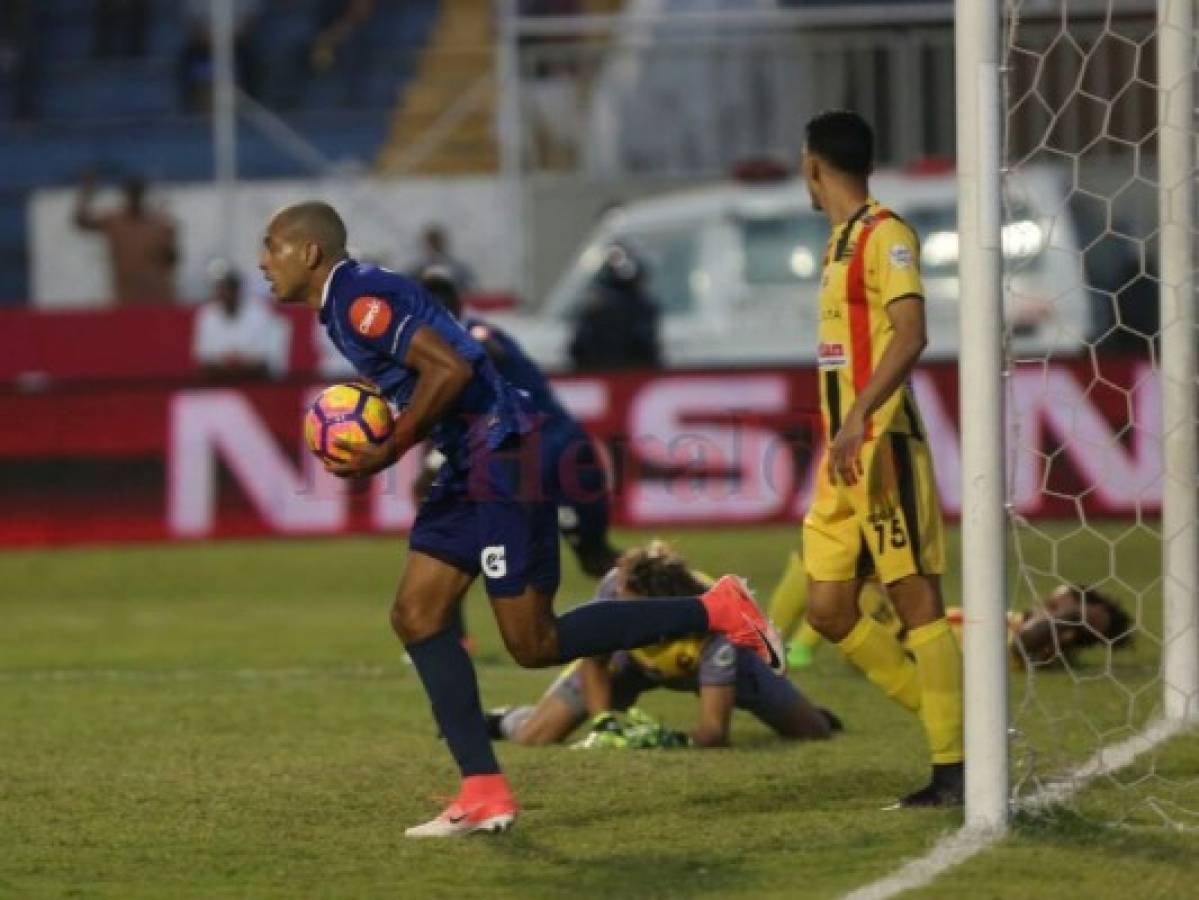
(871, 260)
(675, 660)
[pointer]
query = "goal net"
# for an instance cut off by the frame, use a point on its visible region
(1098, 275)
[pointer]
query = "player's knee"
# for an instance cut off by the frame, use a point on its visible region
(916, 599)
(532, 648)
(831, 620)
(412, 622)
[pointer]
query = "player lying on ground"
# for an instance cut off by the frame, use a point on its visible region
(489, 514)
(1069, 619)
(724, 676)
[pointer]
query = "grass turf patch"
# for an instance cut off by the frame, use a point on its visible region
(235, 719)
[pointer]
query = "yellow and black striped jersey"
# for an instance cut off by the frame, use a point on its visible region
(871, 260)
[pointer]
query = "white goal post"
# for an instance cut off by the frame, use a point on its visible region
(981, 366)
(980, 133)
(1176, 204)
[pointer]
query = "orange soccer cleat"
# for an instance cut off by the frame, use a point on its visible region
(733, 612)
(485, 805)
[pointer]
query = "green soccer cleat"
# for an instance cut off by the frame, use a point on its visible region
(799, 655)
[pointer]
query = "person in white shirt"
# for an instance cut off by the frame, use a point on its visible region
(238, 337)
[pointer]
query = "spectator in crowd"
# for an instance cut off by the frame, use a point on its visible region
(194, 66)
(119, 28)
(238, 337)
(18, 57)
(618, 325)
(435, 254)
(552, 93)
(142, 248)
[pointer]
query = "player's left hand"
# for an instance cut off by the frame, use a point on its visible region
(845, 453)
(364, 459)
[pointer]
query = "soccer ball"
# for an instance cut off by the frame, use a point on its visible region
(348, 412)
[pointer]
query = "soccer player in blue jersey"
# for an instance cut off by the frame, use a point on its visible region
(491, 517)
(580, 486)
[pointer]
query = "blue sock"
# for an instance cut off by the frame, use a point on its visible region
(594, 629)
(448, 675)
(457, 623)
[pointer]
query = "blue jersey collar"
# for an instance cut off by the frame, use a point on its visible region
(324, 313)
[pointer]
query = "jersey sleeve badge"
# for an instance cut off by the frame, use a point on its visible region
(370, 316)
(901, 256)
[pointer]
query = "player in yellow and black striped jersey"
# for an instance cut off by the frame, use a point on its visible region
(875, 509)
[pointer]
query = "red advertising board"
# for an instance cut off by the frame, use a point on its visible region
(149, 461)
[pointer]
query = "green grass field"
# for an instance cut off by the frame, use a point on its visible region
(235, 720)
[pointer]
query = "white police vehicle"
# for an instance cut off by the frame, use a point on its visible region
(736, 269)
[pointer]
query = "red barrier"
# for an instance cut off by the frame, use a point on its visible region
(150, 462)
(146, 342)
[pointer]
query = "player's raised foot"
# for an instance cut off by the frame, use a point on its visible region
(947, 788)
(733, 612)
(484, 805)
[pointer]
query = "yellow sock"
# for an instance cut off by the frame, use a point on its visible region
(790, 598)
(875, 651)
(939, 662)
(874, 602)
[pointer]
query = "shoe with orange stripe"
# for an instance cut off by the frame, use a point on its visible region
(733, 612)
(485, 805)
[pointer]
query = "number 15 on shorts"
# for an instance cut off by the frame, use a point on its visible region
(889, 534)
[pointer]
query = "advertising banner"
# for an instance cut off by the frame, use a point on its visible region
(152, 461)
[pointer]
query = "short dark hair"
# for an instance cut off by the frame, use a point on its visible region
(1119, 627)
(316, 221)
(843, 139)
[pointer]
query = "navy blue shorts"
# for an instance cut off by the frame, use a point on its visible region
(499, 519)
(581, 485)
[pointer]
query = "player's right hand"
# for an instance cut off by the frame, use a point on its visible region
(364, 459)
(845, 453)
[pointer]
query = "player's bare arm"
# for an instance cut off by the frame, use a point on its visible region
(442, 376)
(597, 684)
(907, 343)
(716, 702)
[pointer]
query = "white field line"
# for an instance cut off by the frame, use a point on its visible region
(151, 676)
(967, 841)
(83, 675)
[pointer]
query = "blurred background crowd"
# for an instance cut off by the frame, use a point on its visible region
(526, 144)
(611, 182)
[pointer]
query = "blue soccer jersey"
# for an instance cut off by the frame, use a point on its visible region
(371, 315)
(577, 478)
(515, 366)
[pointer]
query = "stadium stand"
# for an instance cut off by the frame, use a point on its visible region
(458, 56)
(86, 110)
